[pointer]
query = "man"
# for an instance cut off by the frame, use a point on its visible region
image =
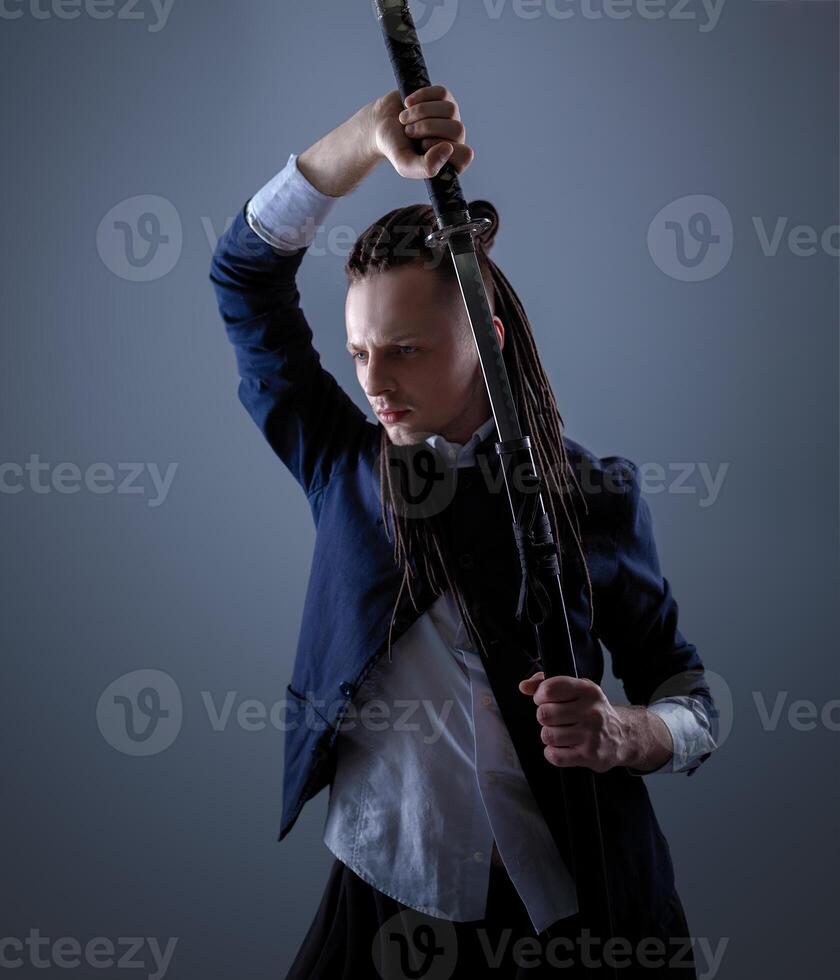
(464, 826)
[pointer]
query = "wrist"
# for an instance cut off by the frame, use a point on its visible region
(368, 119)
(339, 161)
(648, 744)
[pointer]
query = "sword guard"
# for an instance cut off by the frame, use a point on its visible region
(442, 235)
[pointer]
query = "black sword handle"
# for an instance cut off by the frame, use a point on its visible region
(411, 74)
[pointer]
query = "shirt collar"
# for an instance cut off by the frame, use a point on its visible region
(457, 454)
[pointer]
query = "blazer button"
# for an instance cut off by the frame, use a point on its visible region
(346, 689)
(467, 481)
(466, 560)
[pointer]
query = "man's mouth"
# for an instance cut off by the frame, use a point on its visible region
(391, 417)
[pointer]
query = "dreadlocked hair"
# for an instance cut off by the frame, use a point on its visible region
(399, 238)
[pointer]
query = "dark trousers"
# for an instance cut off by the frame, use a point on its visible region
(358, 932)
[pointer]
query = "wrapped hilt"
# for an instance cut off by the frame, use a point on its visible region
(411, 74)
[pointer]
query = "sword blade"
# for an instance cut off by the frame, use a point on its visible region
(480, 316)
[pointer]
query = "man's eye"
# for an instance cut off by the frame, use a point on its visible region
(404, 349)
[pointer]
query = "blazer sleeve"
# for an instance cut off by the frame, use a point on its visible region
(638, 615)
(307, 418)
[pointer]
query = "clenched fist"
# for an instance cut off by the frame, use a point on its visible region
(431, 115)
(580, 727)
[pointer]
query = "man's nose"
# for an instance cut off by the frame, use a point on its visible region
(377, 378)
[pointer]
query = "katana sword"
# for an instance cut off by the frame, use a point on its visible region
(541, 596)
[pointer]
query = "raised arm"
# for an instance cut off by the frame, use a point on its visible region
(309, 421)
(307, 418)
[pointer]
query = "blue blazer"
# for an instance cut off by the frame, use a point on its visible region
(331, 448)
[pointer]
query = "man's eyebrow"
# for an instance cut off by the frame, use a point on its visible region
(394, 342)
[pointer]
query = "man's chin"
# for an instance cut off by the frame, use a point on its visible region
(406, 434)
(406, 437)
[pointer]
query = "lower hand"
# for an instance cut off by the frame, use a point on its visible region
(436, 118)
(580, 727)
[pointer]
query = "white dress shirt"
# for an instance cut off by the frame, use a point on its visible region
(416, 803)
(427, 777)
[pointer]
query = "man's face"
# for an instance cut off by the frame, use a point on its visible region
(411, 341)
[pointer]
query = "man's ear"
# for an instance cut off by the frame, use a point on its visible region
(500, 330)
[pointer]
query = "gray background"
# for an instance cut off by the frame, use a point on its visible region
(607, 121)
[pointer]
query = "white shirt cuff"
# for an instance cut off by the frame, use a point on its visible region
(691, 731)
(288, 210)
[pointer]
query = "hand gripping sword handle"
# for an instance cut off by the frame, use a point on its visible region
(411, 74)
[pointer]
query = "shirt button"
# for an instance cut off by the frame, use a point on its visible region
(486, 700)
(491, 777)
(509, 755)
(478, 856)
